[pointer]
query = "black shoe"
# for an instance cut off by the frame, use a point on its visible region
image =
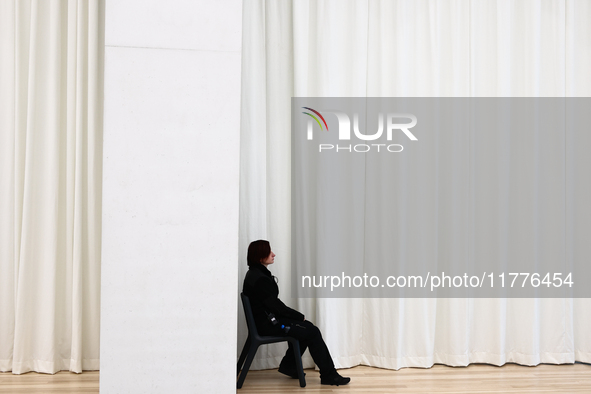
(334, 379)
(292, 372)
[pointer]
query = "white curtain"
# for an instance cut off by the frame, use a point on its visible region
(51, 100)
(409, 48)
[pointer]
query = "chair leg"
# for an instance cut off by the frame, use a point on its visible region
(251, 353)
(243, 355)
(298, 363)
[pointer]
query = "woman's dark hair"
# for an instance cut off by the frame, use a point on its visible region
(257, 251)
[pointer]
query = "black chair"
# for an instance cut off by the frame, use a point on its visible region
(253, 342)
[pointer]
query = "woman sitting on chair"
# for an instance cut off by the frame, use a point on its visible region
(270, 314)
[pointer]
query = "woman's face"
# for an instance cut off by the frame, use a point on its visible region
(269, 260)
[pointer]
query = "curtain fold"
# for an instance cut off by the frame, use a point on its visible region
(491, 48)
(51, 103)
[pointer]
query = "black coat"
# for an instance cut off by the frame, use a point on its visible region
(263, 292)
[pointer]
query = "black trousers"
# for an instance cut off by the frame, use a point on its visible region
(309, 337)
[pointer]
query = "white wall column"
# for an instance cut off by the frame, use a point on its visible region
(170, 196)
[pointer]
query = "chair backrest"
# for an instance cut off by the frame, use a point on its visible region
(252, 328)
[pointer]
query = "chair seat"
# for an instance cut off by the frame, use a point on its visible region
(266, 340)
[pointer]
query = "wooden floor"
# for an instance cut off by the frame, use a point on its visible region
(476, 378)
(61, 382)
